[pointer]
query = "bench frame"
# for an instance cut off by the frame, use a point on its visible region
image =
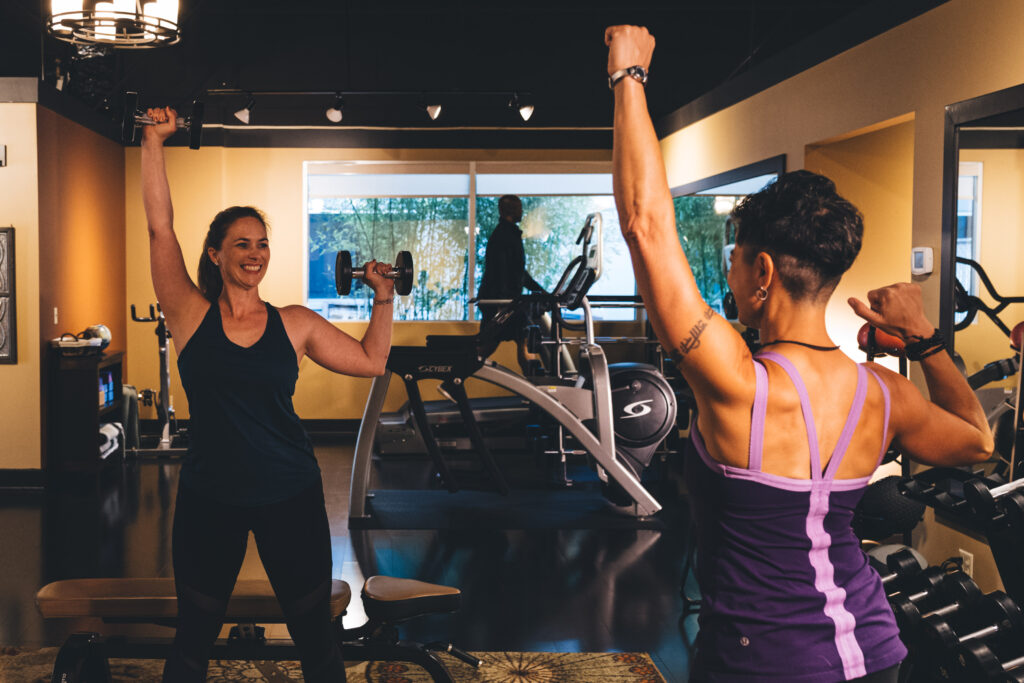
(84, 656)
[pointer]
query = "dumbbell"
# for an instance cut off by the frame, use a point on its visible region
(1001, 614)
(133, 118)
(987, 502)
(980, 663)
(955, 591)
(875, 342)
(401, 273)
(902, 565)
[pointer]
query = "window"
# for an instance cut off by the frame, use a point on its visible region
(700, 223)
(376, 210)
(968, 225)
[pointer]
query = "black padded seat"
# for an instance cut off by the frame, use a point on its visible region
(155, 599)
(387, 599)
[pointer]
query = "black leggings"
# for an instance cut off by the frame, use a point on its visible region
(294, 541)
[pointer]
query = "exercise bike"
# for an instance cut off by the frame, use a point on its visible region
(618, 414)
(170, 439)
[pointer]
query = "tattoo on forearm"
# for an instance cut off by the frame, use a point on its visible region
(692, 340)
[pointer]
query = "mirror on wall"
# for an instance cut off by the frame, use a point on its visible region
(702, 209)
(983, 248)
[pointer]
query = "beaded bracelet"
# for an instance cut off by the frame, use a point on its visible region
(922, 348)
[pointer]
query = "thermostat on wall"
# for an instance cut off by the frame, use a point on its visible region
(921, 261)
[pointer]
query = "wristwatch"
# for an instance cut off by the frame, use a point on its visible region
(636, 72)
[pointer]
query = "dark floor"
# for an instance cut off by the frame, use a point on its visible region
(547, 589)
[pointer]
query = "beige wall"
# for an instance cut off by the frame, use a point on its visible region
(959, 50)
(81, 225)
(205, 181)
(875, 171)
(20, 416)
(1001, 248)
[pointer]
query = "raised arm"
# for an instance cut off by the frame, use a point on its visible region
(339, 352)
(949, 429)
(709, 352)
(182, 303)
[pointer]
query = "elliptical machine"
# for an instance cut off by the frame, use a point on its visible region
(170, 441)
(617, 414)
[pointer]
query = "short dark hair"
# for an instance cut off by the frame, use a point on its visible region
(811, 232)
(210, 281)
(506, 202)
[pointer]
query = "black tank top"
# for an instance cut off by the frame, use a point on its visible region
(246, 444)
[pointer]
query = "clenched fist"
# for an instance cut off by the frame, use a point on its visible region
(628, 46)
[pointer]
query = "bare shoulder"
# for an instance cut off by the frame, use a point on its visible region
(893, 380)
(298, 317)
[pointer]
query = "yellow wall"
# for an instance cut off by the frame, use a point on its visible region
(875, 171)
(205, 181)
(20, 416)
(81, 225)
(1001, 249)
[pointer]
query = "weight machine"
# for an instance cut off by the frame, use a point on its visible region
(617, 414)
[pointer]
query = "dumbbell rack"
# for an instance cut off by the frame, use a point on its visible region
(942, 488)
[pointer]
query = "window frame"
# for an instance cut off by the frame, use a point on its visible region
(472, 168)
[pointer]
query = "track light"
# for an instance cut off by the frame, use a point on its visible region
(245, 113)
(433, 111)
(335, 113)
(524, 106)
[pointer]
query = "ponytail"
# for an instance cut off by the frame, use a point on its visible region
(208, 275)
(210, 281)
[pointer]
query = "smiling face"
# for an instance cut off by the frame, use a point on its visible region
(244, 254)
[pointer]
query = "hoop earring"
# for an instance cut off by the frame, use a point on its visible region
(761, 294)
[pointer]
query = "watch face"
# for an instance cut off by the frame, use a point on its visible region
(639, 73)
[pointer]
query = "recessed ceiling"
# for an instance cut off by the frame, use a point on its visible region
(550, 49)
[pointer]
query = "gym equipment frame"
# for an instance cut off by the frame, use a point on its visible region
(570, 406)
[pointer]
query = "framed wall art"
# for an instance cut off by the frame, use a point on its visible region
(8, 317)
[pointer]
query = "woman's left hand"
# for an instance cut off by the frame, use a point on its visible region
(373, 275)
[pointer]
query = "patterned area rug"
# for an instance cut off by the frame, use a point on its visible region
(35, 666)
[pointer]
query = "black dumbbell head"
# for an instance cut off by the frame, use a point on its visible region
(195, 125)
(403, 264)
(131, 105)
(979, 497)
(1013, 507)
(343, 273)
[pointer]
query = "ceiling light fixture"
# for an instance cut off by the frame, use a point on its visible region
(335, 113)
(245, 114)
(127, 24)
(523, 104)
(433, 111)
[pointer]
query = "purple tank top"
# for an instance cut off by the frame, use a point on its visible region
(787, 594)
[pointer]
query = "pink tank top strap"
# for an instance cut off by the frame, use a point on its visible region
(851, 423)
(805, 406)
(757, 416)
(886, 400)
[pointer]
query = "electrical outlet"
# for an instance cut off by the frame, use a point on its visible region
(968, 565)
(55, 316)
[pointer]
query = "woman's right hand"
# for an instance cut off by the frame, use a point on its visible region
(166, 125)
(896, 309)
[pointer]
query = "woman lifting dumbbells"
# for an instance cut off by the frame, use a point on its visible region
(786, 440)
(250, 464)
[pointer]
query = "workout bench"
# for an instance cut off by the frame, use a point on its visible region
(387, 601)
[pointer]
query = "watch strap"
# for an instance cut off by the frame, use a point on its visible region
(636, 72)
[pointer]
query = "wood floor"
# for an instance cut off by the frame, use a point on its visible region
(559, 590)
